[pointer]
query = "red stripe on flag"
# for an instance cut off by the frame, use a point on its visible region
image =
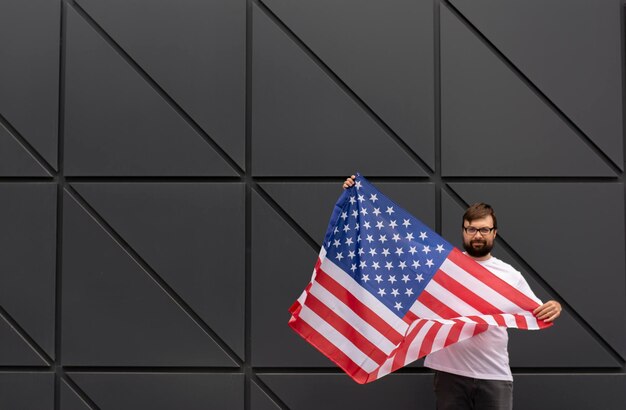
(343, 327)
(467, 295)
(399, 357)
(331, 351)
(427, 342)
(410, 317)
(491, 280)
(358, 307)
(455, 332)
(436, 305)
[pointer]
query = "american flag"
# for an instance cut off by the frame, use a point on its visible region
(387, 290)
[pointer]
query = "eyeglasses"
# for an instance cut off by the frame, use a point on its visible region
(470, 230)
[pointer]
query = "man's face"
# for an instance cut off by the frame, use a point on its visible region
(478, 245)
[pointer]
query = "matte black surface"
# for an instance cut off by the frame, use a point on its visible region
(28, 258)
(383, 51)
(572, 235)
(104, 320)
(117, 124)
(570, 49)
(570, 391)
(15, 160)
(301, 119)
(493, 124)
(568, 343)
(70, 399)
(282, 263)
(15, 350)
(192, 235)
(195, 50)
(335, 391)
(29, 72)
(202, 144)
(27, 391)
(162, 391)
(259, 400)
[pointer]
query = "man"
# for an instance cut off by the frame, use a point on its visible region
(475, 373)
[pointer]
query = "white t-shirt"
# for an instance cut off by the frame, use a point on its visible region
(484, 356)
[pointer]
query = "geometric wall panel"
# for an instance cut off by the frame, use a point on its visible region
(567, 344)
(28, 259)
(570, 391)
(105, 323)
(399, 87)
(572, 235)
(70, 400)
(192, 235)
(29, 72)
(117, 124)
(15, 350)
(160, 391)
(494, 124)
(310, 203)
(199, 60)
(168, 169)
(15, 160)
(298, 107)
(280, 260)
(27, 391)
(259, 400)
(578, 66)
(337, 391)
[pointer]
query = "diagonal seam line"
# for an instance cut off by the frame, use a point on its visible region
(167, 289)
(27, 146)
(344, 87)
(79, 392)
(542, 96)
(156, 87)
(570, 309)
(286, 217)
(26, 337)
(269, 392)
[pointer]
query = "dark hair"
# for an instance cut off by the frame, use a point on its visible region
(477, 211)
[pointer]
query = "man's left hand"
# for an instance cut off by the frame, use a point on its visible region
(548, 311)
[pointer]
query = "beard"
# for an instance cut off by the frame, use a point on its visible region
(477, 247)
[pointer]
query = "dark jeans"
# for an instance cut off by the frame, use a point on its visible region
(455, 392)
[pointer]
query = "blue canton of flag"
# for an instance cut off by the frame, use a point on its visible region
(385, 249)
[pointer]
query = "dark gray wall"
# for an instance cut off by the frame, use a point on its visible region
(167, 169)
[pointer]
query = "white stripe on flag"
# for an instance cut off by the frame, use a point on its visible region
(422, 311)
(337, 339)
(480, 288)
(438, 343)
(451, 300)
(416, 343)
(354, 320)
(363, 295)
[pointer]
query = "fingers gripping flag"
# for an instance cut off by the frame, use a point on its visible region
(387, 290)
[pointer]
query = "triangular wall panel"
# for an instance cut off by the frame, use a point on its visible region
(198, 59)
(383, 51)
(29, 72)
(578, 66)
(28, 232)
(105, 323)
(117, 124)
(162, 391)
(493, 124)
(15, 160)
(297, 108)
(192, 235)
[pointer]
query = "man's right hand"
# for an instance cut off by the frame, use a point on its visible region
(349, 182)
